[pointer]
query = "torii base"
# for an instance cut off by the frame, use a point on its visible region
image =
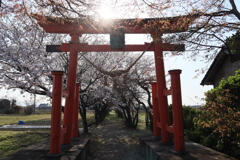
(152, 149)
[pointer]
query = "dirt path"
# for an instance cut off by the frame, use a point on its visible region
(112, 141)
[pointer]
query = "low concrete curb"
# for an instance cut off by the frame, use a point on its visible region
(152, 149)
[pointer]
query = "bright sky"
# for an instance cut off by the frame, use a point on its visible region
(23, 99)
(192, 91)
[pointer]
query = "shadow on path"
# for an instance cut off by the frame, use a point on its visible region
(111, 140)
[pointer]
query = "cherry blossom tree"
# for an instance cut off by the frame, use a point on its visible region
(132, 90)
(24, 62)
(215, 19)
(25, 65)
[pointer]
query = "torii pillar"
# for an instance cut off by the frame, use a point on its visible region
(71, 85)
(161, 86)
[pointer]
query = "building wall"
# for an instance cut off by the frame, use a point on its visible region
(227, 69)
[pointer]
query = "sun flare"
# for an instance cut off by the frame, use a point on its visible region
(106, 12)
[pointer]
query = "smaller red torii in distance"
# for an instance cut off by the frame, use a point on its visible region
(77, 27)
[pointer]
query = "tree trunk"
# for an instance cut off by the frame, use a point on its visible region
(82, 111)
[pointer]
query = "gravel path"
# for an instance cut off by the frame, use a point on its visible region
(111, 140)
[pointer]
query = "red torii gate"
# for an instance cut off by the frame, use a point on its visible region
(156, 27)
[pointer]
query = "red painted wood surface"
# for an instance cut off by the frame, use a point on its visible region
(75, 112)
(162, 99)
(84, 47)
(55, 136)
(156, 116)
(179, 141)
(131, 26)
(71, 84)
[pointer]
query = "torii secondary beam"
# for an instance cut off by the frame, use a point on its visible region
(84, 47)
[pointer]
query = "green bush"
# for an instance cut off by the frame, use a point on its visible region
(233, 42)
(13, 108)
(28, 110)
(9, 111)
(191, 131)
(221, 117)
(17, 109)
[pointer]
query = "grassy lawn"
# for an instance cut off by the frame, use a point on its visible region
(141, 121)
(35, 119)
(12, 141)
(13, 119)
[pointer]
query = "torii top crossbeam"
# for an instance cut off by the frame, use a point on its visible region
(130, 26)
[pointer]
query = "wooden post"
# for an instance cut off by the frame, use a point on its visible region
(75, 113)
(156, 117)
(162, 98)
(55, 136)
(179, 142)
(71, 84)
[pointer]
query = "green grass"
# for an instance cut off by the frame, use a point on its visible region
(112, 116)
(35, 119)
(13, 119)
(141, 121)
(12, 141)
